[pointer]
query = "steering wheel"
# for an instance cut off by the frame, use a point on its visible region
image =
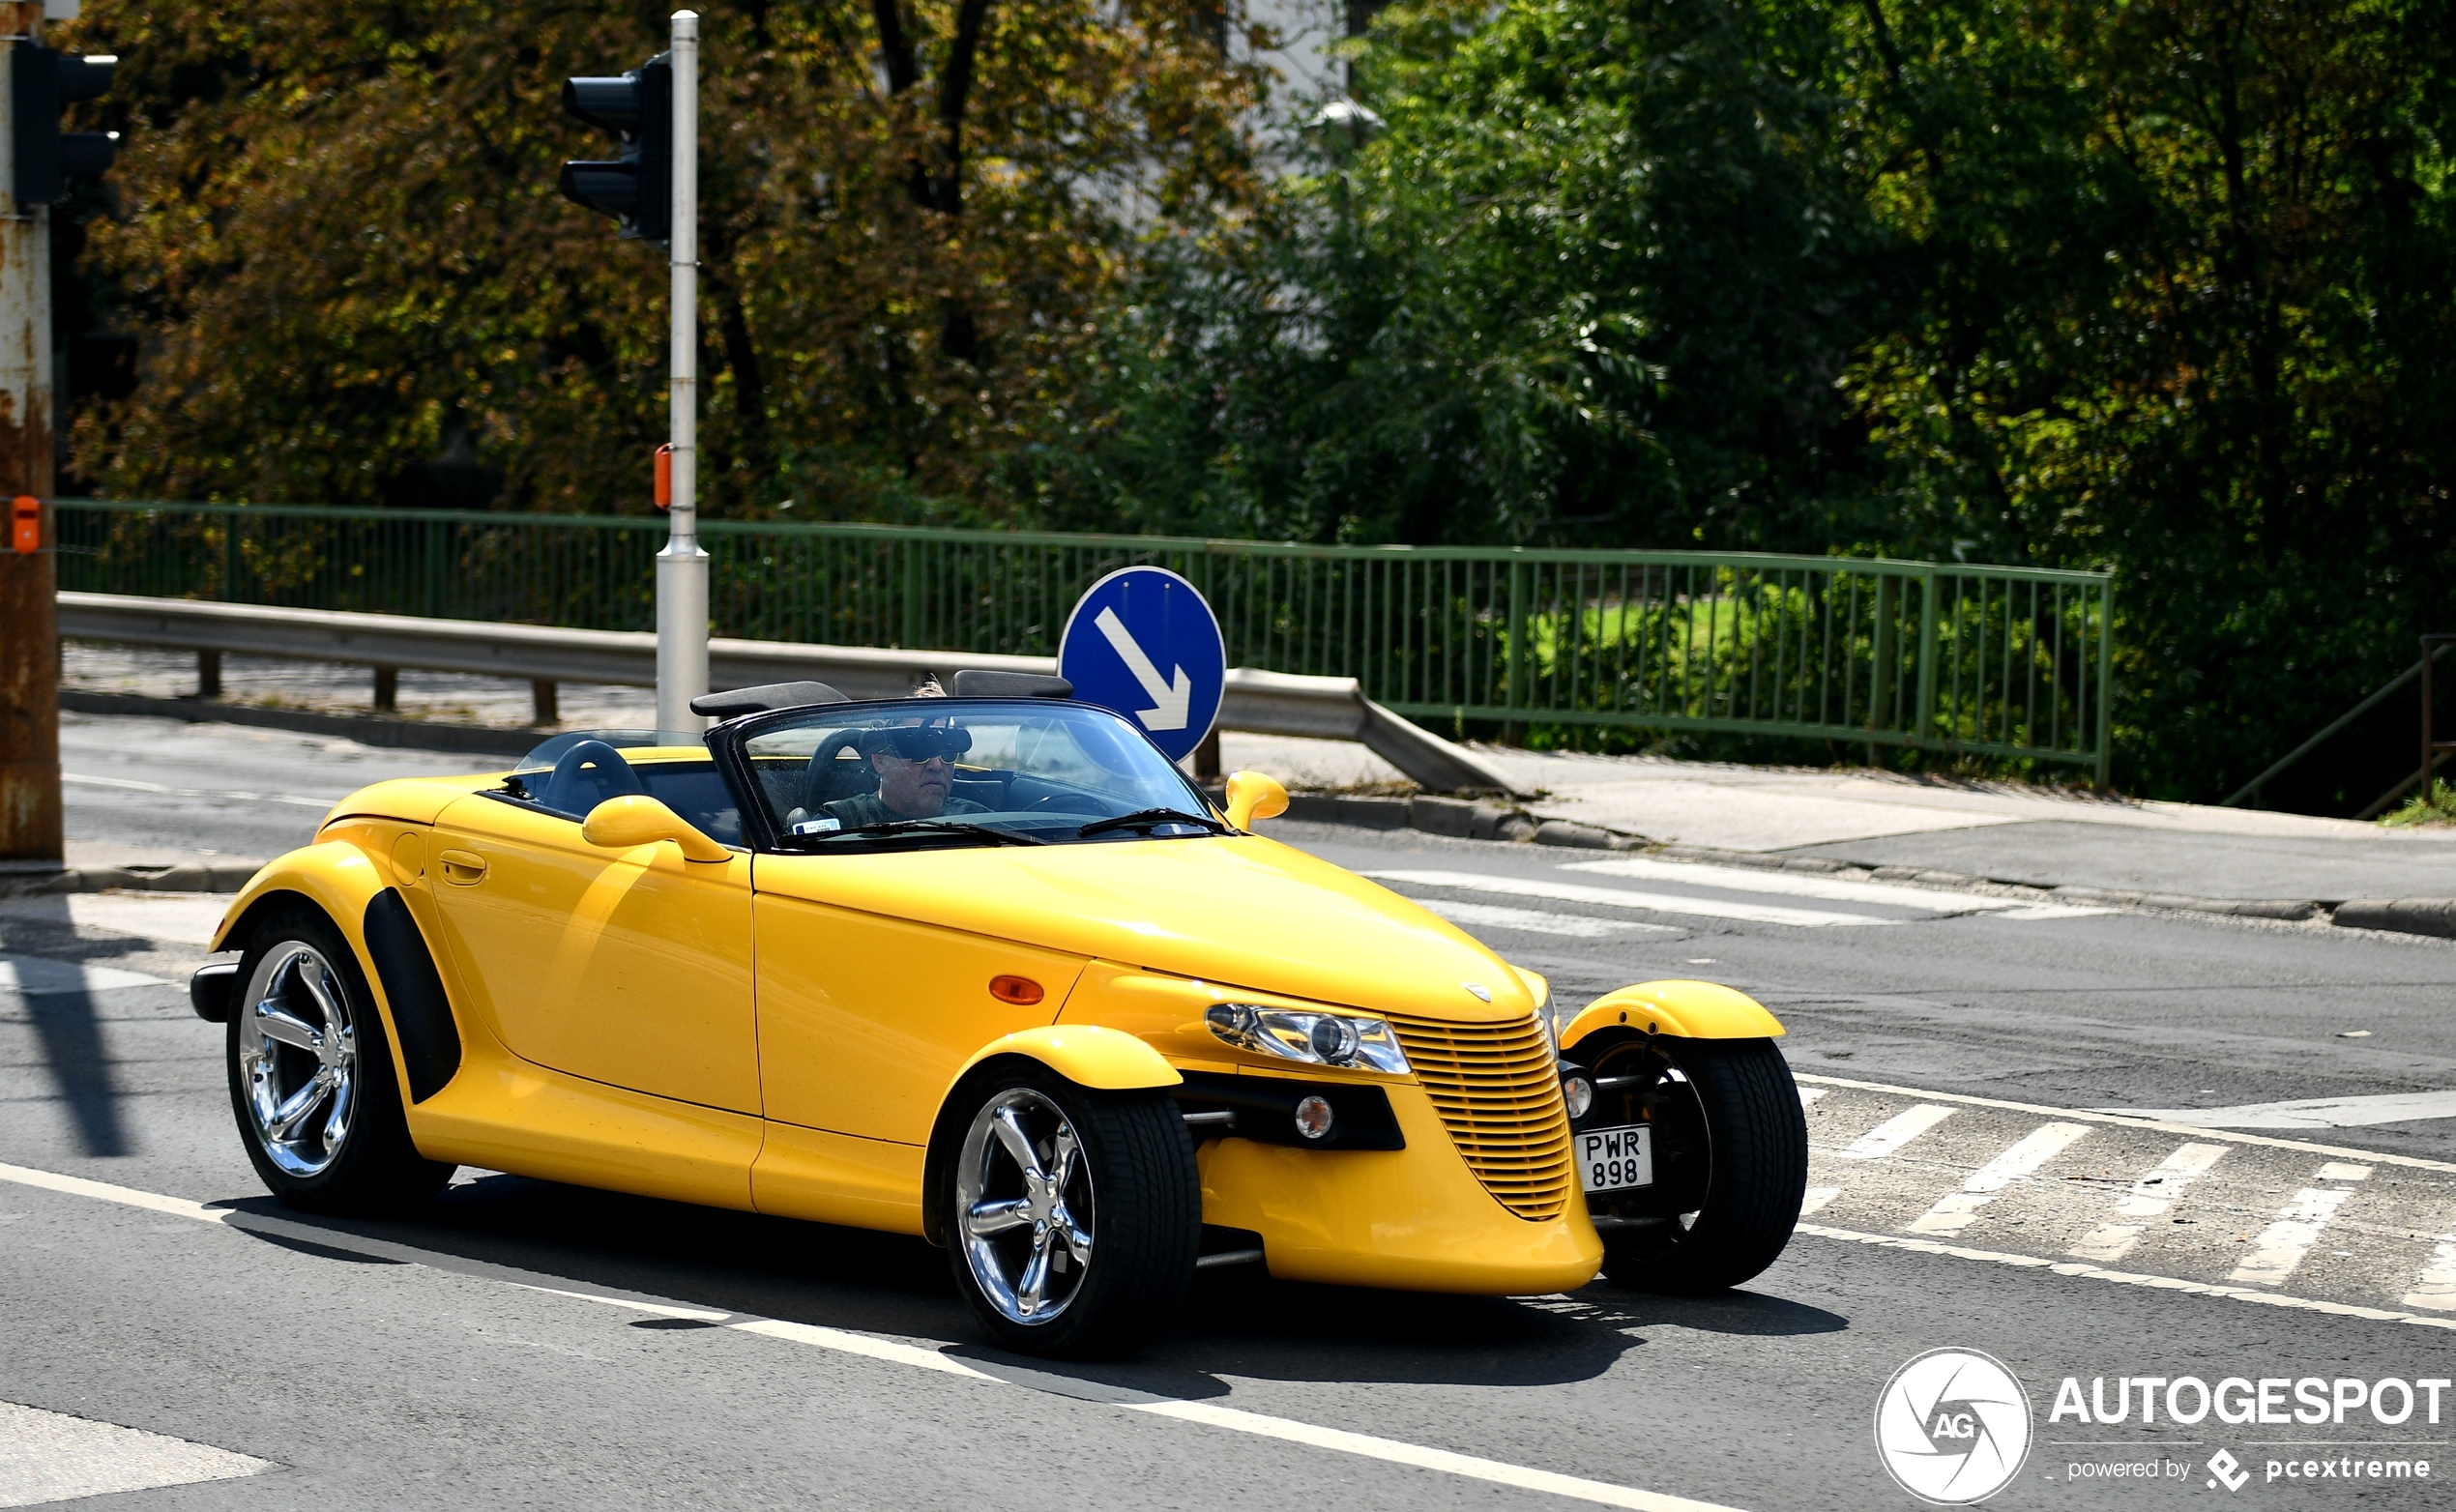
(819, 779)
(1066, 803)
(591, 771)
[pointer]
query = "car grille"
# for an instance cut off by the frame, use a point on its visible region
(1499, 1093)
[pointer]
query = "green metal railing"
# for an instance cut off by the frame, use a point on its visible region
(2012, 663)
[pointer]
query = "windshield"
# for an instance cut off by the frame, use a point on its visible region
(967, 771)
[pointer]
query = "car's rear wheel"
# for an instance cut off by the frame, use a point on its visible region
(1074, 1215)
(312, 1079)
(1730, 1151)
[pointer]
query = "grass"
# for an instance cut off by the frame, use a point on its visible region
(2437, 806)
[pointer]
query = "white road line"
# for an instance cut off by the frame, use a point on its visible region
(1577, 926)
(1895, 1132)
(919, 1356)
(1742, 879)
(2434, 1289)
(2126, 1120)
(1792, 884)
(2282, 1245)
(1954, 1211)
(130, 785)
(2149, 1198)
(2308, 1113)
(2075, 1267)
(1809, 1094)
(1815, 1197)
(36, 975)
(1617, 897)
(54, 1457)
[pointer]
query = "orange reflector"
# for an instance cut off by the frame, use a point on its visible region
(665, 475)
(25, 524)
(1021, 991)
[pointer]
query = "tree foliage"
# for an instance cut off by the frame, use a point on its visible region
(340, 239)
(2161, 286)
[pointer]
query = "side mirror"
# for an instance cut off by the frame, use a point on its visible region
(1252, 795)
(620, 824)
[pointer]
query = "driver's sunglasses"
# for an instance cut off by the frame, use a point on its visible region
(921, 743)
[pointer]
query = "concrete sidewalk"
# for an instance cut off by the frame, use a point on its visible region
(1946, 830)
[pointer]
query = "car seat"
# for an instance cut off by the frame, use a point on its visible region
(586, 775)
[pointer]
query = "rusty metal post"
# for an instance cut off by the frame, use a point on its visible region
(30, 826)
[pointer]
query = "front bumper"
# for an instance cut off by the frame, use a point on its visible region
(1415, 1219)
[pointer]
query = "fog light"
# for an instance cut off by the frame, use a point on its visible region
(1578, 1093)
(1313, 1118)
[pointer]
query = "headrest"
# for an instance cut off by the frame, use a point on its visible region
(762, 699)
(1011, 685)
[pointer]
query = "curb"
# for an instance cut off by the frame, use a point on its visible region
(366, 729)
(1461, 819)
(186, 877)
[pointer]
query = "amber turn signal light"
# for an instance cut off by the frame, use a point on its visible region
(1021, 991)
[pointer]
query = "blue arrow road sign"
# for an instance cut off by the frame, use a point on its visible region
(1141, 641)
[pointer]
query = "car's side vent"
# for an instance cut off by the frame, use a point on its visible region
(1499, 1093)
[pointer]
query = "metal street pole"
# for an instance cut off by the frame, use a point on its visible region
(29, 625)
(682, 567)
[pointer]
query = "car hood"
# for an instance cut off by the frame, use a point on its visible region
(1239, 910)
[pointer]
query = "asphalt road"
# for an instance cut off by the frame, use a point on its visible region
(530, 1345)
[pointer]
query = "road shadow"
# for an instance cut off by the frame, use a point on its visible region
(68, 1025)
(1236, 1322)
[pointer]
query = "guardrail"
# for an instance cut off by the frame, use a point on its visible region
(1256, 702)
(2007, 662)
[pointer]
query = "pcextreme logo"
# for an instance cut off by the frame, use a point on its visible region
(1953, 1427)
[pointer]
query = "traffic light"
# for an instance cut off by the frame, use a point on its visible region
(42, 81)
(637, 187)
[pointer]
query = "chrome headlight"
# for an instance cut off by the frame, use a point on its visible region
(1313, 1038)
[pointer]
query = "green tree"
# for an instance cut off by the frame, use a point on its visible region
(343, 246)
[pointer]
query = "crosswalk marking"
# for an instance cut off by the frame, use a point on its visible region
(1740, 879)
(1895, 1132)
(1953, 1212)
(1815, 1197)
(1809, 1094)
(2149, 1198)
(2309, 1113)
(2434, 1289)
(1620, 897)
(1576, 926)
(2282, 1245)
(53, 1456)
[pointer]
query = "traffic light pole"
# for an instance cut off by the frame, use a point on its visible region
(30, 828)
(682, 567)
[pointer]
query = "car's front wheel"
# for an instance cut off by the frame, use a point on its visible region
(1730, 1155)
(311, 1080)
(1074, 1215)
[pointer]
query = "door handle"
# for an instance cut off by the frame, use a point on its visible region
(463, 869)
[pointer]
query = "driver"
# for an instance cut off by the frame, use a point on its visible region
(916, 777)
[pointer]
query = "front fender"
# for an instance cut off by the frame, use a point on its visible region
(337, 876)
(1691, 1010)
(1088, 1055)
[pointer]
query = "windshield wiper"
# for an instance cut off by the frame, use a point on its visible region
(894, 826)
(1151, 819)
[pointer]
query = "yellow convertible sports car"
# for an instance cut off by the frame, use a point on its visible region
(990, 969)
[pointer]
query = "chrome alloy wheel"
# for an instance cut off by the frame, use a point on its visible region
(299, 1053)
(1023, 1195)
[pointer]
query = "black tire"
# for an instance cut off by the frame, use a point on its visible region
(1133, 1171)
(354, 1154)
(1732, 1160)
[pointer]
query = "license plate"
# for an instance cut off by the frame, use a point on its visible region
(1612, 1160)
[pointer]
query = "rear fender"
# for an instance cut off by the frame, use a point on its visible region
(1088, 1055)
(1690, 1010)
